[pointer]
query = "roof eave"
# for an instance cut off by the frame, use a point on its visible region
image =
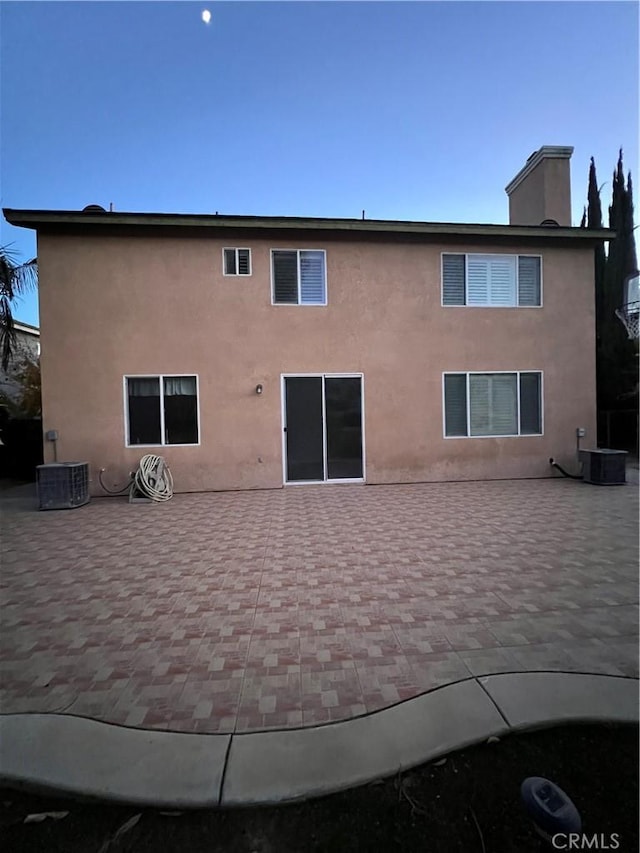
(59, 219)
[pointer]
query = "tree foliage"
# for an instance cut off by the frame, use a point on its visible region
(616, 355)
(24, 376)
(15, 280)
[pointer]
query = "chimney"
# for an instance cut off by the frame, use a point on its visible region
(542, 188)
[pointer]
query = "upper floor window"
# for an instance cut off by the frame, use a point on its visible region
(161, 410)
(298, 277)
(237, 261)
(492, 280)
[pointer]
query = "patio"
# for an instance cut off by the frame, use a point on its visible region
(235, 612)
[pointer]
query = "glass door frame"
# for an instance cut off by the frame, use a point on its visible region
(283, 424)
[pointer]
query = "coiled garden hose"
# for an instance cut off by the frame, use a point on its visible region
(153, 479)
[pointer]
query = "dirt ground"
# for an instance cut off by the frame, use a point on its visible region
(468, 803)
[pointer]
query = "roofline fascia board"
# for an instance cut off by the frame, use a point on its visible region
(57, 219)
(27, 328)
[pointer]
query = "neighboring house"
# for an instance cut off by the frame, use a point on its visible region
(27, 346)
(252, 352)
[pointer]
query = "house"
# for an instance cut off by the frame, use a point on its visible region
(27, 346)
(252, 352)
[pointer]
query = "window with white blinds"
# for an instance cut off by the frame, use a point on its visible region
(299, 277)
(237, 261)
(491, 280)
(492, 404)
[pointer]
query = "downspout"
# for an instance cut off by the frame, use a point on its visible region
(580, 433)
(563, 472)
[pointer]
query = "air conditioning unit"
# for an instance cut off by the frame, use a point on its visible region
(63, 485)
(604, 467)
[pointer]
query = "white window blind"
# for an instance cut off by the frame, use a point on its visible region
(299, 277)
(312, 277)
(504, 404)
(491, 280)
(477, 280)
(502, 288)
(493, 404)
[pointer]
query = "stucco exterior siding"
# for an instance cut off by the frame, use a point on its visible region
(112, 306)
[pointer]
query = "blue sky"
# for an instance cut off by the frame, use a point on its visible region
(408, 110)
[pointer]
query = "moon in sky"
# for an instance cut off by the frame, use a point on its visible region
(206, 16)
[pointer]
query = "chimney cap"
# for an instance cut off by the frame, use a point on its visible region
(546, 152)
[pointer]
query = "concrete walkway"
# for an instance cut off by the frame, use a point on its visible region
(82, 757)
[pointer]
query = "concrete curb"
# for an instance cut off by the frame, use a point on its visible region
(531, 699)
(82, 757)
(285, 765)
(74, 755)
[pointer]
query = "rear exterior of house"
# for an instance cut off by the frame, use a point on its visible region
(256, 352)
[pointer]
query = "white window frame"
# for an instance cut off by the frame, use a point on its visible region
(236, 250)
(466, 283)
(468, 373)
(160, 377)
(300, 304)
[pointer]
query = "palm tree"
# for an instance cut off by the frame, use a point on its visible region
(15, 280)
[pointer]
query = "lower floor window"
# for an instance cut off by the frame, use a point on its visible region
(492, 404)
(162, 410)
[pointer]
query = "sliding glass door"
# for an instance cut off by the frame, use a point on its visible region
(323, 428)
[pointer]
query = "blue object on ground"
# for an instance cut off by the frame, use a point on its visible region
(549, 807)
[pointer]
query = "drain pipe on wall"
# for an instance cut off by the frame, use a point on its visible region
(554, 464)
(580, 433)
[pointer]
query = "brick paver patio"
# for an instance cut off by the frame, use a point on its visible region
(255, 610)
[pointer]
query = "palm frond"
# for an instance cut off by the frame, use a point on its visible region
(15, 280)
(8, 340)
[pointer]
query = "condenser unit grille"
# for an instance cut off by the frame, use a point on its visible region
(63, 485)
(604, 467)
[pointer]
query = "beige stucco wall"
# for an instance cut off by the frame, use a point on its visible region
(142, 305)
(544, 194)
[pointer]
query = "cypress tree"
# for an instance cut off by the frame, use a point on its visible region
(594, 220)
(594, 210)
(615, 354)
(616, 264)
(631, 258)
